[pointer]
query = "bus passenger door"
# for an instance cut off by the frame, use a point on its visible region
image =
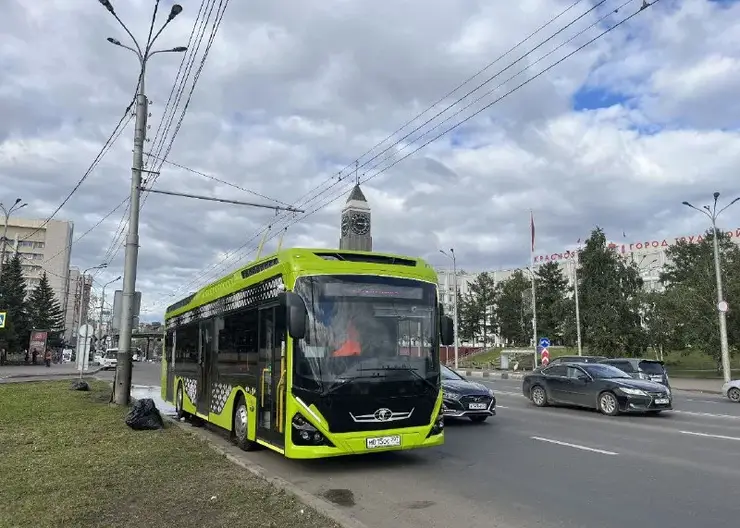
(271, 397)
(205, 360)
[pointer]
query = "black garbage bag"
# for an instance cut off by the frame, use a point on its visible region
(144, 415)
(79, 385)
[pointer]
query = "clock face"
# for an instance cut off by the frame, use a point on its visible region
(361, 223)
(345, 225)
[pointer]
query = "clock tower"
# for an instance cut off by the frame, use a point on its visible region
(356, 234)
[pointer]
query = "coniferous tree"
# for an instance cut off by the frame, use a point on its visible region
(609, 294)
(17, 329)
(478, 308)
(44, 311)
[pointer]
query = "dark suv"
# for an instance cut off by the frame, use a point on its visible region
(648, 369)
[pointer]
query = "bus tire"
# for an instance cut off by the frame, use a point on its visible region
(240, 425)
(179, 395)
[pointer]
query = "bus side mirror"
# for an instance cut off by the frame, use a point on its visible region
(297, 312)
(447, 330)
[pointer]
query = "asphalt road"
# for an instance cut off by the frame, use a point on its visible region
(530, 467)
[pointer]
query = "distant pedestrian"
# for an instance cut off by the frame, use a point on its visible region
(3, 356)
(34, 355)
(47, 357)
(25, 356)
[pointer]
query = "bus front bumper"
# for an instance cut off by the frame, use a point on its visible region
(369, 442)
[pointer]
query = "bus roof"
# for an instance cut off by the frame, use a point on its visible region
(295, 262)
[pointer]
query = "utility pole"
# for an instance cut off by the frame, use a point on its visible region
(122, 388)
(712, 214)
(102, 305)
(451, 255)
(7, 212)
(578, 307)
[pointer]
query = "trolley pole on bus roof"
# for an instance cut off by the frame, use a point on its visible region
(122, 387)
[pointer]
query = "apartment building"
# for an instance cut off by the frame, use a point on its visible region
(42, 247)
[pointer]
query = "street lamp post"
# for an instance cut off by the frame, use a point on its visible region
(712, 214)
(451, 255)
(81, 281)
(102, 304)
(578, 304)
(7, 212)
(122, 389)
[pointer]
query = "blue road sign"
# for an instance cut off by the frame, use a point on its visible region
(544, 342)
(2, 319)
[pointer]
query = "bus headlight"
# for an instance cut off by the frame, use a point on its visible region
(306, 434)
(439, 425)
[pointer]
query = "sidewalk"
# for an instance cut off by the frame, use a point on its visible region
(41, 371)
(709, 386)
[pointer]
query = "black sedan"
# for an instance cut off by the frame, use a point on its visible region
(596, 386)
(466, 399)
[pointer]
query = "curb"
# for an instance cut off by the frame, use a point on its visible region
(53, 375)
(320, 505)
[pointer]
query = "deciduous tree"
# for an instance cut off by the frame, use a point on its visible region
(513, 309)
(551, 288)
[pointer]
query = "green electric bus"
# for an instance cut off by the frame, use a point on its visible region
(313, 353)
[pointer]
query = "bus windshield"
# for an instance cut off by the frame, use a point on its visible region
(363, 327)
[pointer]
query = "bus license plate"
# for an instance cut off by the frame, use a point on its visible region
(662, 401)
(477, 406)
(383, 441)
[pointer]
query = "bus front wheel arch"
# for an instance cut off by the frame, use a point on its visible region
(240, 425)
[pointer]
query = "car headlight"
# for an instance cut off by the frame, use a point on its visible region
(450, 395)
(633, 392)
(490, 393)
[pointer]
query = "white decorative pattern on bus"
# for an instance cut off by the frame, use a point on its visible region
(219, 395)
(264, 291)
(191, 388)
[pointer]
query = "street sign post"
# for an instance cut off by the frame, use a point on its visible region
(83, 347)
(2, 319)
(544, 352)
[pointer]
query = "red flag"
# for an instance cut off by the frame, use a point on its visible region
(531, 218)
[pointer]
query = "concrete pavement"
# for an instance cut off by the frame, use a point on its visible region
(530, 467)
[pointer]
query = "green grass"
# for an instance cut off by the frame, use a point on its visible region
(68, 459)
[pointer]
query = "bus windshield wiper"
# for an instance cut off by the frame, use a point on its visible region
(342, 382)
(412, 370)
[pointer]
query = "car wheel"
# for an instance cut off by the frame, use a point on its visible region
(538, 396)
(608, 404)
(241, 426)
(734, 394)
(478, 419)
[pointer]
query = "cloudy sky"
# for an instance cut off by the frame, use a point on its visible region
(293, 94)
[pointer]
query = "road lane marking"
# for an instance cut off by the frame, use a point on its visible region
(501, 407)
(707, 435)
(710, 415)
(574, 446)
(506, 393)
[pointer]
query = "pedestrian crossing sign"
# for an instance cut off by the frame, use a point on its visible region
(2, 319)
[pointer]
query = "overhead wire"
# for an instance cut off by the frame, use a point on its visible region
(283, 216)
(301, 202)
(509, 92)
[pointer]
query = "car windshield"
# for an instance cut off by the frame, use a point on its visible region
(365, 327)
(604, 371)
(449, 374)
(651, 367)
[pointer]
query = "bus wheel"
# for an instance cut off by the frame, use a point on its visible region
(240, 426)
(178, 403)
